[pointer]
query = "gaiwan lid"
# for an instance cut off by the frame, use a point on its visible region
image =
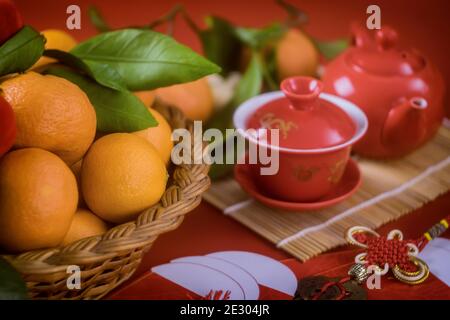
(304, 120)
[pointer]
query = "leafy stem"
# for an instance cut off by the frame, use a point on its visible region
(168, 18)
(296, 16)
(100, 23)
(191, 22)
(271, 83)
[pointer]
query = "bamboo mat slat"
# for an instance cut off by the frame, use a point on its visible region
(390, 189)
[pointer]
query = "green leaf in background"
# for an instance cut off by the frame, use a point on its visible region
(218, 171)
(270, 69)
(21, 51)
(101, 73)
(251, 83)
(331, 49)
(12, 286)
(258, 38)
(97, 20)
(117, 111)
(145, 59)
(220, 44)
(249, 86)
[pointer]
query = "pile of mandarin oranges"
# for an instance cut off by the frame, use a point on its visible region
(62, 180)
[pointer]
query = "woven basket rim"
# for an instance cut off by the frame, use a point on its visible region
(182, 195)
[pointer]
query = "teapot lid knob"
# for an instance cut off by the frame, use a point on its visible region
(386, 38)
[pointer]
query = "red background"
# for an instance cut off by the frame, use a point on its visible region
(421, 24)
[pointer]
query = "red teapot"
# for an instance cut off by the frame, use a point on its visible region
(400, 91)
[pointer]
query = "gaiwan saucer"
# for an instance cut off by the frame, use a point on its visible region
(350, 182)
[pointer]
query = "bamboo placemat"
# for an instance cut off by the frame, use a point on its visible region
(390, 189)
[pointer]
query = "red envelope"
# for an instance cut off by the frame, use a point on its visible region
(151, 286)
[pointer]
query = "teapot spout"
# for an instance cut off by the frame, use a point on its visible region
(405, 126)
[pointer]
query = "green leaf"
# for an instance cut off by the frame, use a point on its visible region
(251, 83)
(12, 286)
(220, 43)
(145, 59)
(258, 38)
(97, 20)
(102, 73)
(117, 111)
(21, 51)
(270, 69)
(249, 86)
(331, 49)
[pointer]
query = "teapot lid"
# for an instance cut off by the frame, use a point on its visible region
(378, 53)
(304, 120)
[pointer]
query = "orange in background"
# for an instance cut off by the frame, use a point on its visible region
(194, 98)
(160, 136)
(296, 55)
(84, 224)
(147, 97)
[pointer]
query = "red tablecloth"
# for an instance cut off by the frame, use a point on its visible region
(422, 24)
(207, 230)
(223, 233)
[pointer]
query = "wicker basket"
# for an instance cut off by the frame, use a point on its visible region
(107, 261)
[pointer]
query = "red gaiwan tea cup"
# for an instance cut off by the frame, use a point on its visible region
(315, 134)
